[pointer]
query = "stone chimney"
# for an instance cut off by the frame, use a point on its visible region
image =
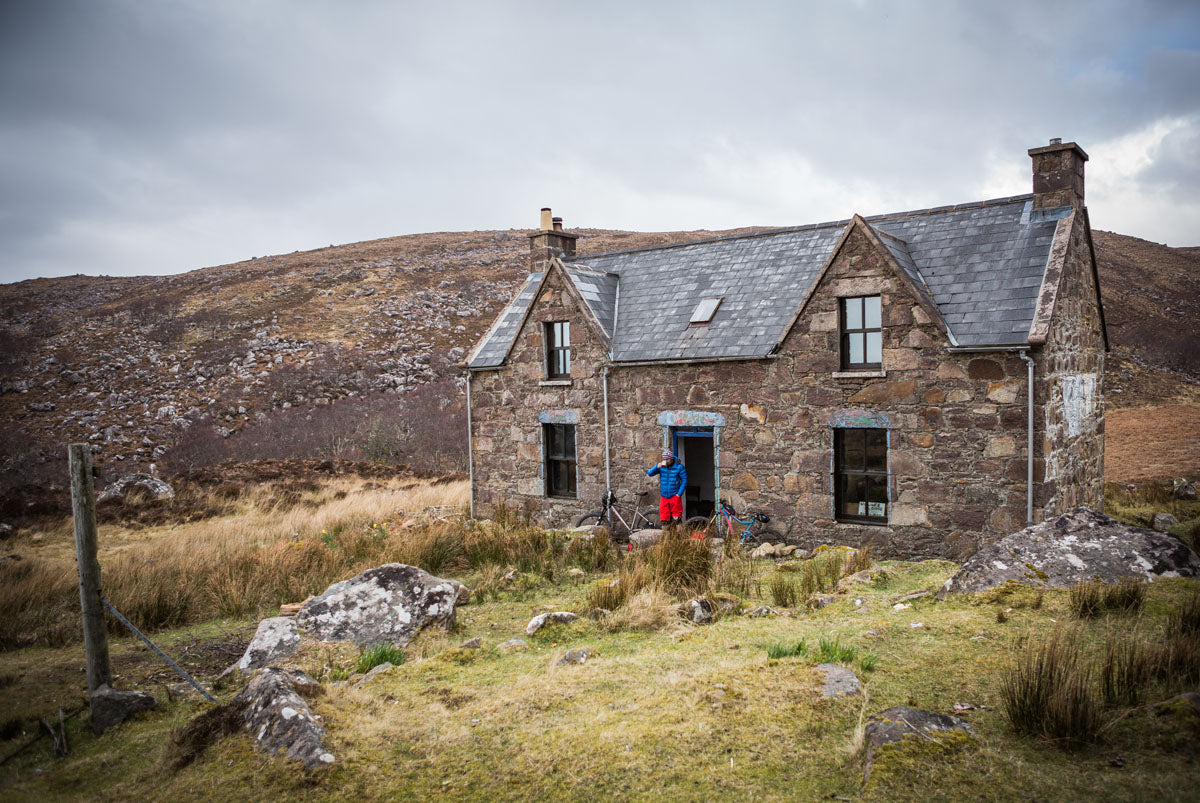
(549, 241)
(1058, 174)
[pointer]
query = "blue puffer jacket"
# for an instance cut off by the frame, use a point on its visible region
(672, 479)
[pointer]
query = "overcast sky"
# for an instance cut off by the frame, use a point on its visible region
(163, 135)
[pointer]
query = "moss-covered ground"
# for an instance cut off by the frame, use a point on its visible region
(684, 712)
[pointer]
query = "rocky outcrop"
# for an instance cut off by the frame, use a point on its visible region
(838, 681)
(281, 720)
(153, 485)
(389, 604)
(111, 707)
(1078, 546)
(894, 724)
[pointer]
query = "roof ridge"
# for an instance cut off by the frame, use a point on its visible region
(574, 258)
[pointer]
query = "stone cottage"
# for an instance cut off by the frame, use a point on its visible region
(924, 382)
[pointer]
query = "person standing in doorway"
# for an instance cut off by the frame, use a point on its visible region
(672, 479)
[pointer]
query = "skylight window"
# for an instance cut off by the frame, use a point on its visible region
(705, 310)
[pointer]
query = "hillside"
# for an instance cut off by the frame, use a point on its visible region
(350, 351)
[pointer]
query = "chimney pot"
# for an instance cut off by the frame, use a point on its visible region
(1056, 140)
(547, 223)
(557, 223)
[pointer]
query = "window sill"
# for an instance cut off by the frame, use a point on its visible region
(859, 374)
(862, 522)
(555, 383)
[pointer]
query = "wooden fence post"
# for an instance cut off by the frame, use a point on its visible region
(83, 507)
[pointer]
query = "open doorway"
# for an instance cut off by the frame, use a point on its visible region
(694, 447)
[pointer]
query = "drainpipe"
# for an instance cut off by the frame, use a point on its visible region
(470, 453)
(607, 467)
(1029, 363)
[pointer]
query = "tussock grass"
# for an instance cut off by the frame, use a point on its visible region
(1048, 692)
(787, 649)
(1087, 600)
(1127, 668)
(378, 655)
(784, 590)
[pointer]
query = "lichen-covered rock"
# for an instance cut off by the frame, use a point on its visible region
(546, 619)
(153, 485)
(838, 681)
(275, 640)
(700, 611)
(111, 707)
(1075, 547)
(575, 657)
(1163, 522)
(386, 605)
(894, 724)
(281, 720)
(375, 672)
(1182, 489)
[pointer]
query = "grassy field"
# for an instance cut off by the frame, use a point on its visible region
(666, 709)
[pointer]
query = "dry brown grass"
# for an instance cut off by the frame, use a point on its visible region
(272, 552)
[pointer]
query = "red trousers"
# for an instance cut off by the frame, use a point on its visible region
(670, 507)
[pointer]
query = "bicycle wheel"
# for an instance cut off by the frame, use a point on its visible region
(697, 523)
(595, 517)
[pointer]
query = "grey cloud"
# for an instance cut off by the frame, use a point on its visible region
(229, 129)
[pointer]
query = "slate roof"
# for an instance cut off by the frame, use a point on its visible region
(980, 265)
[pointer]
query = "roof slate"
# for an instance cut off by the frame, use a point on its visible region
(980, 265)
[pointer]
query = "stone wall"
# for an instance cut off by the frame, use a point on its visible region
(1070, 390)
(956, 421)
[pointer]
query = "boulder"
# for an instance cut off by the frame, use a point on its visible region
(838, 681)
(894, 724)
(276, 639)
(763, 551)
(111, 707)
(1182, 489)
(153, 485)
(700, 611)
(762, 610)
(281, 720)
(389, 604)
(546, 619)
(471, 644)
(644, 538)
(1072, 548)
(1163, 522)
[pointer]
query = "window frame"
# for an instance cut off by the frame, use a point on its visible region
(556, 348)
(872, 476)
(552, 458)
(844, 333)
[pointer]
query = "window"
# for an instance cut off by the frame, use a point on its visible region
(860, 474)
(705, 310)
(559, 440)
(862, 333)
(558, 350)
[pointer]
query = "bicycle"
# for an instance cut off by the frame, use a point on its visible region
(754, 531)
(640, 520)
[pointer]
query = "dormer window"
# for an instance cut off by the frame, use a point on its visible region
(861, 328)
(558, 350)
(705, 311)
